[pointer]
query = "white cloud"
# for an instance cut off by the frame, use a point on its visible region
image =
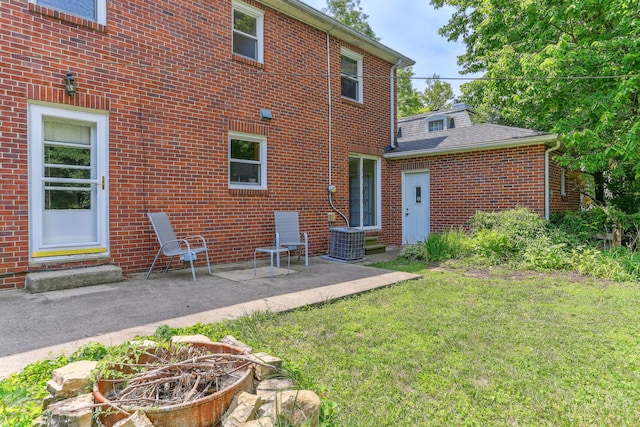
(411, 28)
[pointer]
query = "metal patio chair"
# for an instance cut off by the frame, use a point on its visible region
(288, 234)
(172, 247)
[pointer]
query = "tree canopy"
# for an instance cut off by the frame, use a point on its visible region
(350, 13)
(436, 95)
(567, 67)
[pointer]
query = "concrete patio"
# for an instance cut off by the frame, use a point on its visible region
(36, 325)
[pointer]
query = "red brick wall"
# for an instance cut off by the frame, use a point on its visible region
(165, 73)
(571, 199)
(463, 183)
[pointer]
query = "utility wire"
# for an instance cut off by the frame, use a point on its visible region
(190, 69)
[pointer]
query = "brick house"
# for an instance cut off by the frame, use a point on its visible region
(443, 169)
(218, 113)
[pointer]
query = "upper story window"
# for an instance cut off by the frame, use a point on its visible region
(436, 125)
(247, 161)
(351, 75)
(93, 10)
(248, 31)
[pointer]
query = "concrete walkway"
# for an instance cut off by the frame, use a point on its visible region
(34, 326)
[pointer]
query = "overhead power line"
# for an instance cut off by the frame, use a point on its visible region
(188, 69)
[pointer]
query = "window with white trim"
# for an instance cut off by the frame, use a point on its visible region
(364, 191)
(247, 161)
(93, 10)
(351, 75)
(436, 125)
(563, 182)
(248, 31)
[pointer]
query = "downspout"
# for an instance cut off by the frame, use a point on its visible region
(392, 81)
(547, 190)
(330, 130)
(331, 188)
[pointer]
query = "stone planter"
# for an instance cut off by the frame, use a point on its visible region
(204, 412)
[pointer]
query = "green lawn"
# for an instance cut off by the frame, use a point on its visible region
(460, 347)
(456, 350)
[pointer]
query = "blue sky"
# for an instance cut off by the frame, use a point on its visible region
(411, 28)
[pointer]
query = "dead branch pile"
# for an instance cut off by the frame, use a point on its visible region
(175, 375)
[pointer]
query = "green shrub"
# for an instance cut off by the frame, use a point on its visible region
(514, 228)
(586, 225)
(583, 226)
(546, 254)
(491, 247)
(600, 264)
(414, 252)
(447, 245)
(22, 393)
(628, 260)
(438, 247)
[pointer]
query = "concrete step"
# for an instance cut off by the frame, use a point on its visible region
(44, 281)
(374, 249)
(370, 240)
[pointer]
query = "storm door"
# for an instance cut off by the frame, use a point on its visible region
(68, 197)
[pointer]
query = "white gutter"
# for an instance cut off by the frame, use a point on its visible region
(547, 190)
(307, 14)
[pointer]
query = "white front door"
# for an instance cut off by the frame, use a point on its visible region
(415, 207)
(68, 168)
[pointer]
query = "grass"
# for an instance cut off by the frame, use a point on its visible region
(454, 350)
(450, 349)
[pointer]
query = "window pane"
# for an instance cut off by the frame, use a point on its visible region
(245, 46)
(74, 198)
(244, 172)
(67, 132)
(349, 66)
(245, 150)
(363, 203)
(245, 23)
(436, 125)
(349, 88)
(84, 8)
(354, 192)
(369, 202)
(55, 155)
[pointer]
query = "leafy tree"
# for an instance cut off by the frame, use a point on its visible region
(410, 101)
(561, 66)
(350, 13)
(437, 95)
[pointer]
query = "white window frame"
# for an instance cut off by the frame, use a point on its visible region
(378, 190)
(436, 119)
(358, 79)
(563, 182)
(259, 16)
(262, 140)
(101, 11)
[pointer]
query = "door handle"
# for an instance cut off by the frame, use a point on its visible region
(103, 182)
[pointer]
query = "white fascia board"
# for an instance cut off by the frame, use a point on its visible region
(307, 14)
(482, 146)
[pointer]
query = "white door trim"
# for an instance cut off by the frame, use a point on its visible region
(37, 113)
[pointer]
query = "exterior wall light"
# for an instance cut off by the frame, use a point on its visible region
(265, 114)
(70, 84)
